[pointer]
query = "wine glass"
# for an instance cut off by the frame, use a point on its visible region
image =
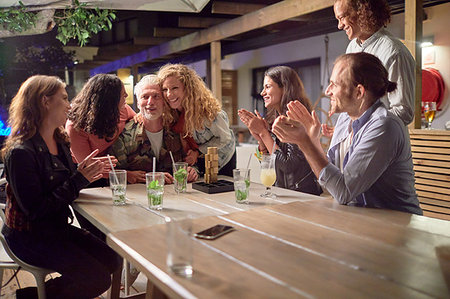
(429, 111)
(268, 174)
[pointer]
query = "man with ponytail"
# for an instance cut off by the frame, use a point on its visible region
(369, 162)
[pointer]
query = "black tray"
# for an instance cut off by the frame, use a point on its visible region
(218, 187)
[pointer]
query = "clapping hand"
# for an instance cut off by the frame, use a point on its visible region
(310, 121)
(254, 121)
(289, 131)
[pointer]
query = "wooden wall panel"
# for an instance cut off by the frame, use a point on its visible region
(431, 158)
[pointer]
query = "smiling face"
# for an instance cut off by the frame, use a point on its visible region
(347, 19)
(173, 90)
(341, 96)
(58, 107)
(271, 93)
(151, 102)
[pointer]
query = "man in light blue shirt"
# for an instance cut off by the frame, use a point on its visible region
(369, 162)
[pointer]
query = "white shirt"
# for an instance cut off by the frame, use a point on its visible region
(400, 65)
(156, 140)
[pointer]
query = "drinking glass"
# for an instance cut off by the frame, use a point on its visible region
(118, 185)
(179, 246)
(155, 189)
(268, 175)
(241, 184)
(429, 111)
(180, 175)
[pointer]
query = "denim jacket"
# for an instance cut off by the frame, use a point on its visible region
(217, 134)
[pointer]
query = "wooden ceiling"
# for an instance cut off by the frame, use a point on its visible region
(136, 31)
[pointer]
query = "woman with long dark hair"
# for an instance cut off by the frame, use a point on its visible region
(98, 115)
(282, 85)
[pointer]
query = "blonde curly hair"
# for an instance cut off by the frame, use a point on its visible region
(199, 104)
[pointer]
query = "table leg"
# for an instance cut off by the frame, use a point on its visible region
(114, 290)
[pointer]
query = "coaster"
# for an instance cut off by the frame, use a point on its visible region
(217, 187)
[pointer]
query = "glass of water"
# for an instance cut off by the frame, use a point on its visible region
(118, 185)
(241, 184)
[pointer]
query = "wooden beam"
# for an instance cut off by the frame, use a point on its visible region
(216, 70)
(268, 15)
(199, 22)
(149, 40)
(233, 8)
(171, 32)
(413, 37)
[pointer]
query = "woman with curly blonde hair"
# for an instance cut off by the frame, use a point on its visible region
(199, 116)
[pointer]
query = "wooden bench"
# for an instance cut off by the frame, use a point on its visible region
(431, 157)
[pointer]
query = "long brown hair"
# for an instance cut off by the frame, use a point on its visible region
(293, 89)
(27, 112)
(199, 104)
(95, 109)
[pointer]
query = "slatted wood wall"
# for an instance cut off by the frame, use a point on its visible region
(431, 157)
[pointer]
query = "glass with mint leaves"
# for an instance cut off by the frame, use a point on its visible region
(241, 184)
(155, 189)
(180, 175)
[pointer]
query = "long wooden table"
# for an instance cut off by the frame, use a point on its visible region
(96, 206)
(298, 246)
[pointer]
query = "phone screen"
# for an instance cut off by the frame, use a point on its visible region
(214, 232)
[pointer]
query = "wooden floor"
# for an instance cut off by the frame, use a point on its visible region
(27, 280)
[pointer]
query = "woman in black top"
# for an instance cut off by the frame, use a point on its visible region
(282, 85)
(42, 183)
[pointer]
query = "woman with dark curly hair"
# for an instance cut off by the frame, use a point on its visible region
(281, 86)
(363, 21)
(97, 116)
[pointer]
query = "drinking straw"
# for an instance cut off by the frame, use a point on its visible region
(154, 167)
(272, 160)
(273, 147)
(249, 158)
(113, 170)
(173, 161)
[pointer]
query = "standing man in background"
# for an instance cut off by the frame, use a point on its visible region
(363, 21)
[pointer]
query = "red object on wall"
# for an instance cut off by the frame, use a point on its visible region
(432, 86)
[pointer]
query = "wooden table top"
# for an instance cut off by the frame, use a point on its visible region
(95, 204)
(310, 248)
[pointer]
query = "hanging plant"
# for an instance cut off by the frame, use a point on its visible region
(73, 22)
(80, 23)
(17, 19)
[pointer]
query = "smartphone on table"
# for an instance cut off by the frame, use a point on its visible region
(214, 232)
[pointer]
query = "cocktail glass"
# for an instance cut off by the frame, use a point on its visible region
(268, 175)
(155, 189)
